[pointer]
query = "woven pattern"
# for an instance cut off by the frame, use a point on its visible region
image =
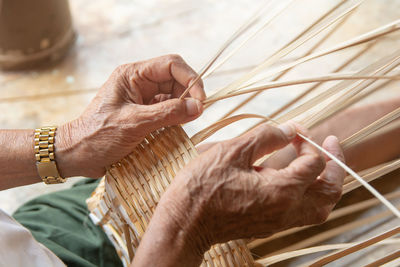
(125, 200)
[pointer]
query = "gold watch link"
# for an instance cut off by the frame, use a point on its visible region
(44, 154)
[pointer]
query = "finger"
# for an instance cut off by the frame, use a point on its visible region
(333, 175)
(178, 90)
(170, 112)
(171, 67)
(307, 166)
(186, 76)
(281, 158)
(263, 140)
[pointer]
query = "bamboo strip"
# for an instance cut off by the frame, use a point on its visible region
(273, 85)
(366, 131)
(252, 35)
(388, 62)
(385, 259)
(218, 126)
(234, 70)
(309, 51)
(240, 69)
(369, 36)
(128, 241)
(338, 213)
(345, 100)
(363, 38)
(283, 52)
(364, 92)
(332, 233)
(385, 61)
(387, 168)
(242, 29)
(327, 259)
(385, 129)
(363, 173)
(394, 263)
(371, 91)
(301, 252)
(207, 132)
(314, 87)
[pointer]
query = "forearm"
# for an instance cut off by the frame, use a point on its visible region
(354, 119)
(370, 151)
(17, 158)
(377, 149)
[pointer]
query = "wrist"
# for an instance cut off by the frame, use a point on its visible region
(174, 225)
(185, 216)
(67, 155)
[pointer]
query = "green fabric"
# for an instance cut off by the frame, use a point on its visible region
(60, 221)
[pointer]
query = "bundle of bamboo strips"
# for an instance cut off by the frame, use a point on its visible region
(127, 197)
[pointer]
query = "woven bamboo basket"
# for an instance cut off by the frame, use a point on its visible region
(126, 198)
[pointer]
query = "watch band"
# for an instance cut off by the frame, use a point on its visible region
(44, 154)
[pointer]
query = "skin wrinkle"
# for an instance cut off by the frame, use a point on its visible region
(194, 216)
(115, 121)
(248, 190)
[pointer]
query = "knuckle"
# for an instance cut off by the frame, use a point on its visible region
(174, 58)
(121, 69)
(271, 133)
(264, 128)
(169, 112)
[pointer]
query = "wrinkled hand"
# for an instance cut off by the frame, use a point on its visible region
(220, 196)
(137, 99)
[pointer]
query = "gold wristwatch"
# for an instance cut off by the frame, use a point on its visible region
(44, 154)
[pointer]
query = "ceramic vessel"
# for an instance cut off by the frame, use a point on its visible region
(34, 33)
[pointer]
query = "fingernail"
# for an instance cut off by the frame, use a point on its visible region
(332, 139)
(193, 106)
(289, 129)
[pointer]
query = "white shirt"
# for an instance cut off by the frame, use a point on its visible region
(19, 248)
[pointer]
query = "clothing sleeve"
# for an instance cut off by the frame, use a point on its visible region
(19, 248)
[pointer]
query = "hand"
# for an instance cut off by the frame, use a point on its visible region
(137, 99)
(220, 196)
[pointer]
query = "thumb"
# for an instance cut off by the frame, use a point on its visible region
(166, 113)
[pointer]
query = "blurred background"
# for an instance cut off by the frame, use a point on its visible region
(114, 32)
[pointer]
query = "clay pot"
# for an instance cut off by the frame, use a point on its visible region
(34, 33)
